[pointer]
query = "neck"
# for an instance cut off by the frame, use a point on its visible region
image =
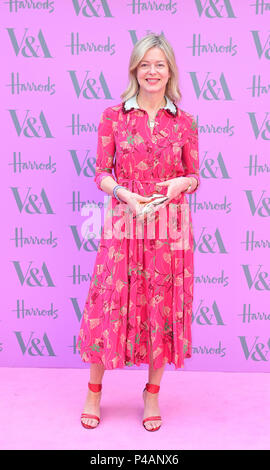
(151, 101)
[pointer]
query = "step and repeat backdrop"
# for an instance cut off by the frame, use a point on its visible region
(65, 61)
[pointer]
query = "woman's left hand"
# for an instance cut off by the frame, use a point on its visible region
(175, 187)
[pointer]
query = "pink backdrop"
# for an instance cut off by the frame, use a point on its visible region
(64, 62)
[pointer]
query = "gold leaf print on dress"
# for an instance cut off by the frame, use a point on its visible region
(94, 322)
(142, 166)
(106, 140)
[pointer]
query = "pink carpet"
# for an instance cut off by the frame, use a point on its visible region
(40, 409)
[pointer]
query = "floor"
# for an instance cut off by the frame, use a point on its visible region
(40, 409)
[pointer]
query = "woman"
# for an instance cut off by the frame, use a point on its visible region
(139, 304)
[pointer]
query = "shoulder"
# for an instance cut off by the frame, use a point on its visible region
(188, 119)
(186, 116)
(109, 119)
(112, 112)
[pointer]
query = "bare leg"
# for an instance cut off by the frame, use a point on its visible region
(93, 398)
(151, 407)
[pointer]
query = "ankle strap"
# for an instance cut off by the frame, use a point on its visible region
(94, 387)
(152, 388)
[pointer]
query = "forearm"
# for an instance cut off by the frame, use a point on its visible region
(191, 181)
(107, 184)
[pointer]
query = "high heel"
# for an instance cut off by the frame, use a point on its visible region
(152, 388)
(94, 388)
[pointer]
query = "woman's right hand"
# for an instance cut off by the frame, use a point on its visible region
(132, 199)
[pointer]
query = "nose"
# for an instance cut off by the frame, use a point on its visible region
(152, 68)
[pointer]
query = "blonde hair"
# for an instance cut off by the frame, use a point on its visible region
(138, 52)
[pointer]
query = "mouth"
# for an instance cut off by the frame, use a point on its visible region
(152, 81)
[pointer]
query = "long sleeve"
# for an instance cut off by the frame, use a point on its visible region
(105, 147)
(190, 154)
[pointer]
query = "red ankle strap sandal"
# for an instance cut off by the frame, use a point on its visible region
(152, 388)
(94, 388)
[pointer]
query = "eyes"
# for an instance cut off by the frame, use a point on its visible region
(144, 65)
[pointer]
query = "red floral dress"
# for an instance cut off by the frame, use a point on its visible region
(142, 286)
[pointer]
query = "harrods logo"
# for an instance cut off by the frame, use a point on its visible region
(255, 242)
(258, 88)
(77, 203)
(212, 279)
(78, 46)
(73, 346)
(16, 6)
(209, 205)
(78, 127)
(19, 86)
(205, 47)
(216, 128)
(22, 240)
(26, 312)
(139, 7)
(77, 277)
(209, 350)
(261, 6)
(256, 167)
(20, 166)
(249, 316)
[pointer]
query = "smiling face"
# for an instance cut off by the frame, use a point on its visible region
(153, 71)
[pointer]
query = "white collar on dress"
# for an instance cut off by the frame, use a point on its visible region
(131, 103)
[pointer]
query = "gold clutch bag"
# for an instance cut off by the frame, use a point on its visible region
(151, 206)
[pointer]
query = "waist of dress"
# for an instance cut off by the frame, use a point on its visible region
(152, 180)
